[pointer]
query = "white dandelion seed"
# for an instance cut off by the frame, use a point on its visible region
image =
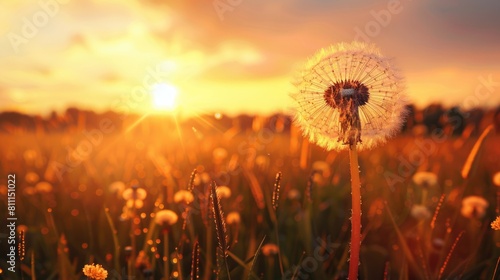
(349, 94)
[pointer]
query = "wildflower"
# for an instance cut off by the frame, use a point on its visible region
(43, 187)
(223, 192)
(425, 179)
(496, 224)
(474, 207)
(270, 249)
(496, 179)
(233, 218)
(166, 218)
(183, 196)
(420, 212)
(95, 272)
(349, 92)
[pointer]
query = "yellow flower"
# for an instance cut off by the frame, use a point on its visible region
(166, 218)
(496, 224)
(183, 196)
(95, 272)
(349, 94)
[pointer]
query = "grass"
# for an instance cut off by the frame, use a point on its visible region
(80, 221)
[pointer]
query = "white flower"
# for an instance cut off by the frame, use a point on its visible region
(420, 212)
(183, 196)
(425, 179)
(496, 179)
(474, 207)
(349, 94)
(223, 192)
(166, 217)
(233, 218)
(134, 193)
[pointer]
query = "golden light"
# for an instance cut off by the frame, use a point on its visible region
(164, 96)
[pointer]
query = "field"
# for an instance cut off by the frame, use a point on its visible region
(80, 200)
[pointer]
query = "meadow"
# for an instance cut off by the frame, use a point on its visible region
(90, 194)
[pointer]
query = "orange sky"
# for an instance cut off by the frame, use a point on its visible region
(234, 56)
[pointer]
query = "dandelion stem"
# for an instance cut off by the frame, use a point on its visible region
(166, 268)
(356, 212)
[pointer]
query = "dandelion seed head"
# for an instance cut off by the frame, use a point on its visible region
(349, 94)
(233, 218)
(474, 207)
(134, 193)
(496, 179)
(270, 249)
(223, 192)
(420, 212)
(166, 218)
(95, 272)
(183, 196)
(425, 179)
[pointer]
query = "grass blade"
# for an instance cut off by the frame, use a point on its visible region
(472, 158)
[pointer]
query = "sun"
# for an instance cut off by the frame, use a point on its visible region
(164, 96)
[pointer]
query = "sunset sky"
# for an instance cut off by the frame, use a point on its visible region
(234, 56)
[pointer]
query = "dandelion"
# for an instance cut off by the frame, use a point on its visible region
(135, 193)
(95, 272)
(474, 207)
(116, 187)
(166, 218)
(349, 94)
(270, 249)
(496, 224)
(323, 167)
(425, 179)
(183, 196)
(137, 204)
(233, 218)
(349, 97)
(420, 212)
(496, 179)
(223, 192)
